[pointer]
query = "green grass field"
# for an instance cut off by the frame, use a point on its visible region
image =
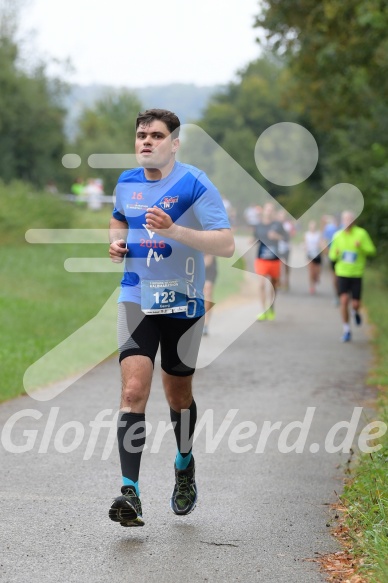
(42, 304)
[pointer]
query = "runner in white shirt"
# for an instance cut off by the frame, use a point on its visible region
(313, 247)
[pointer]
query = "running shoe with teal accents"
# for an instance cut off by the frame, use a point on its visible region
(184, 495)
(126, 509)
(347, 336)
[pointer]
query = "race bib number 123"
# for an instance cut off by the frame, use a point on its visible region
(163, 296)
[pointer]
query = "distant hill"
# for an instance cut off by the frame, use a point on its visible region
(186, 100)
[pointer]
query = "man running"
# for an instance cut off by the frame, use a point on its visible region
(269, 233)
(349, 249)
(167, 214)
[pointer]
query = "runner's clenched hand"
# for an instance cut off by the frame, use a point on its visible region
(118, 250)
(159, 221)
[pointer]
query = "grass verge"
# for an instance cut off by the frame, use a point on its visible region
(229, 280)
(365, 496)
(42, 305)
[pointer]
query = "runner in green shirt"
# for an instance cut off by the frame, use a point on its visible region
(349, 250)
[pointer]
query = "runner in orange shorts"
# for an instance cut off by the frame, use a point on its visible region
(268, 233)
(268, 267)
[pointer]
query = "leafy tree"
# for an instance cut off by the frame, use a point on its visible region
(236, 117)
(31, 118)
(107, 128)
(337, 53)
(337, 50)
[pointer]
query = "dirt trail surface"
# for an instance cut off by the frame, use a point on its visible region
(261, 514)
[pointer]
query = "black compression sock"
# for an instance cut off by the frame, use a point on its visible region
(131, 439)
(184, 425)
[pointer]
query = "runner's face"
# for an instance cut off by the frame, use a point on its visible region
(268, 213)
(154, 145)
(347, 219)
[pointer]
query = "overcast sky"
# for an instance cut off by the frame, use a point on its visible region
(135, 43)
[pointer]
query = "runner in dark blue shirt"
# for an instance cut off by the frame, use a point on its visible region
(268, 234)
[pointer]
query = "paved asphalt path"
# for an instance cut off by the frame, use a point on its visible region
(260, 516)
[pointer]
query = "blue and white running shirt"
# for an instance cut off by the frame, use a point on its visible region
(155, 266)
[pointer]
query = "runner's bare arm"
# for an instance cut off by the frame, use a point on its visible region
(217, 242)
(117, 236)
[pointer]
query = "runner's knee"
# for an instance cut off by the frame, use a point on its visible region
(179, 402)
(178, 391)
(133, 394)
(135, 390)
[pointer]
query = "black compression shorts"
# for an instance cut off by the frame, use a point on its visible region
(141, 334)
(351, 286)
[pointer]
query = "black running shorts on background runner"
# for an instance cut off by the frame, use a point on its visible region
(317, 259)
(350, 285)
(141, 334)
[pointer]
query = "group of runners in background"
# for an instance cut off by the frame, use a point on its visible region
(338, 239)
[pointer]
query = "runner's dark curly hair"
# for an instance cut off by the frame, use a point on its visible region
(168, 117)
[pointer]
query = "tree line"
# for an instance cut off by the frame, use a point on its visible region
(32, 119)
(323, 65)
